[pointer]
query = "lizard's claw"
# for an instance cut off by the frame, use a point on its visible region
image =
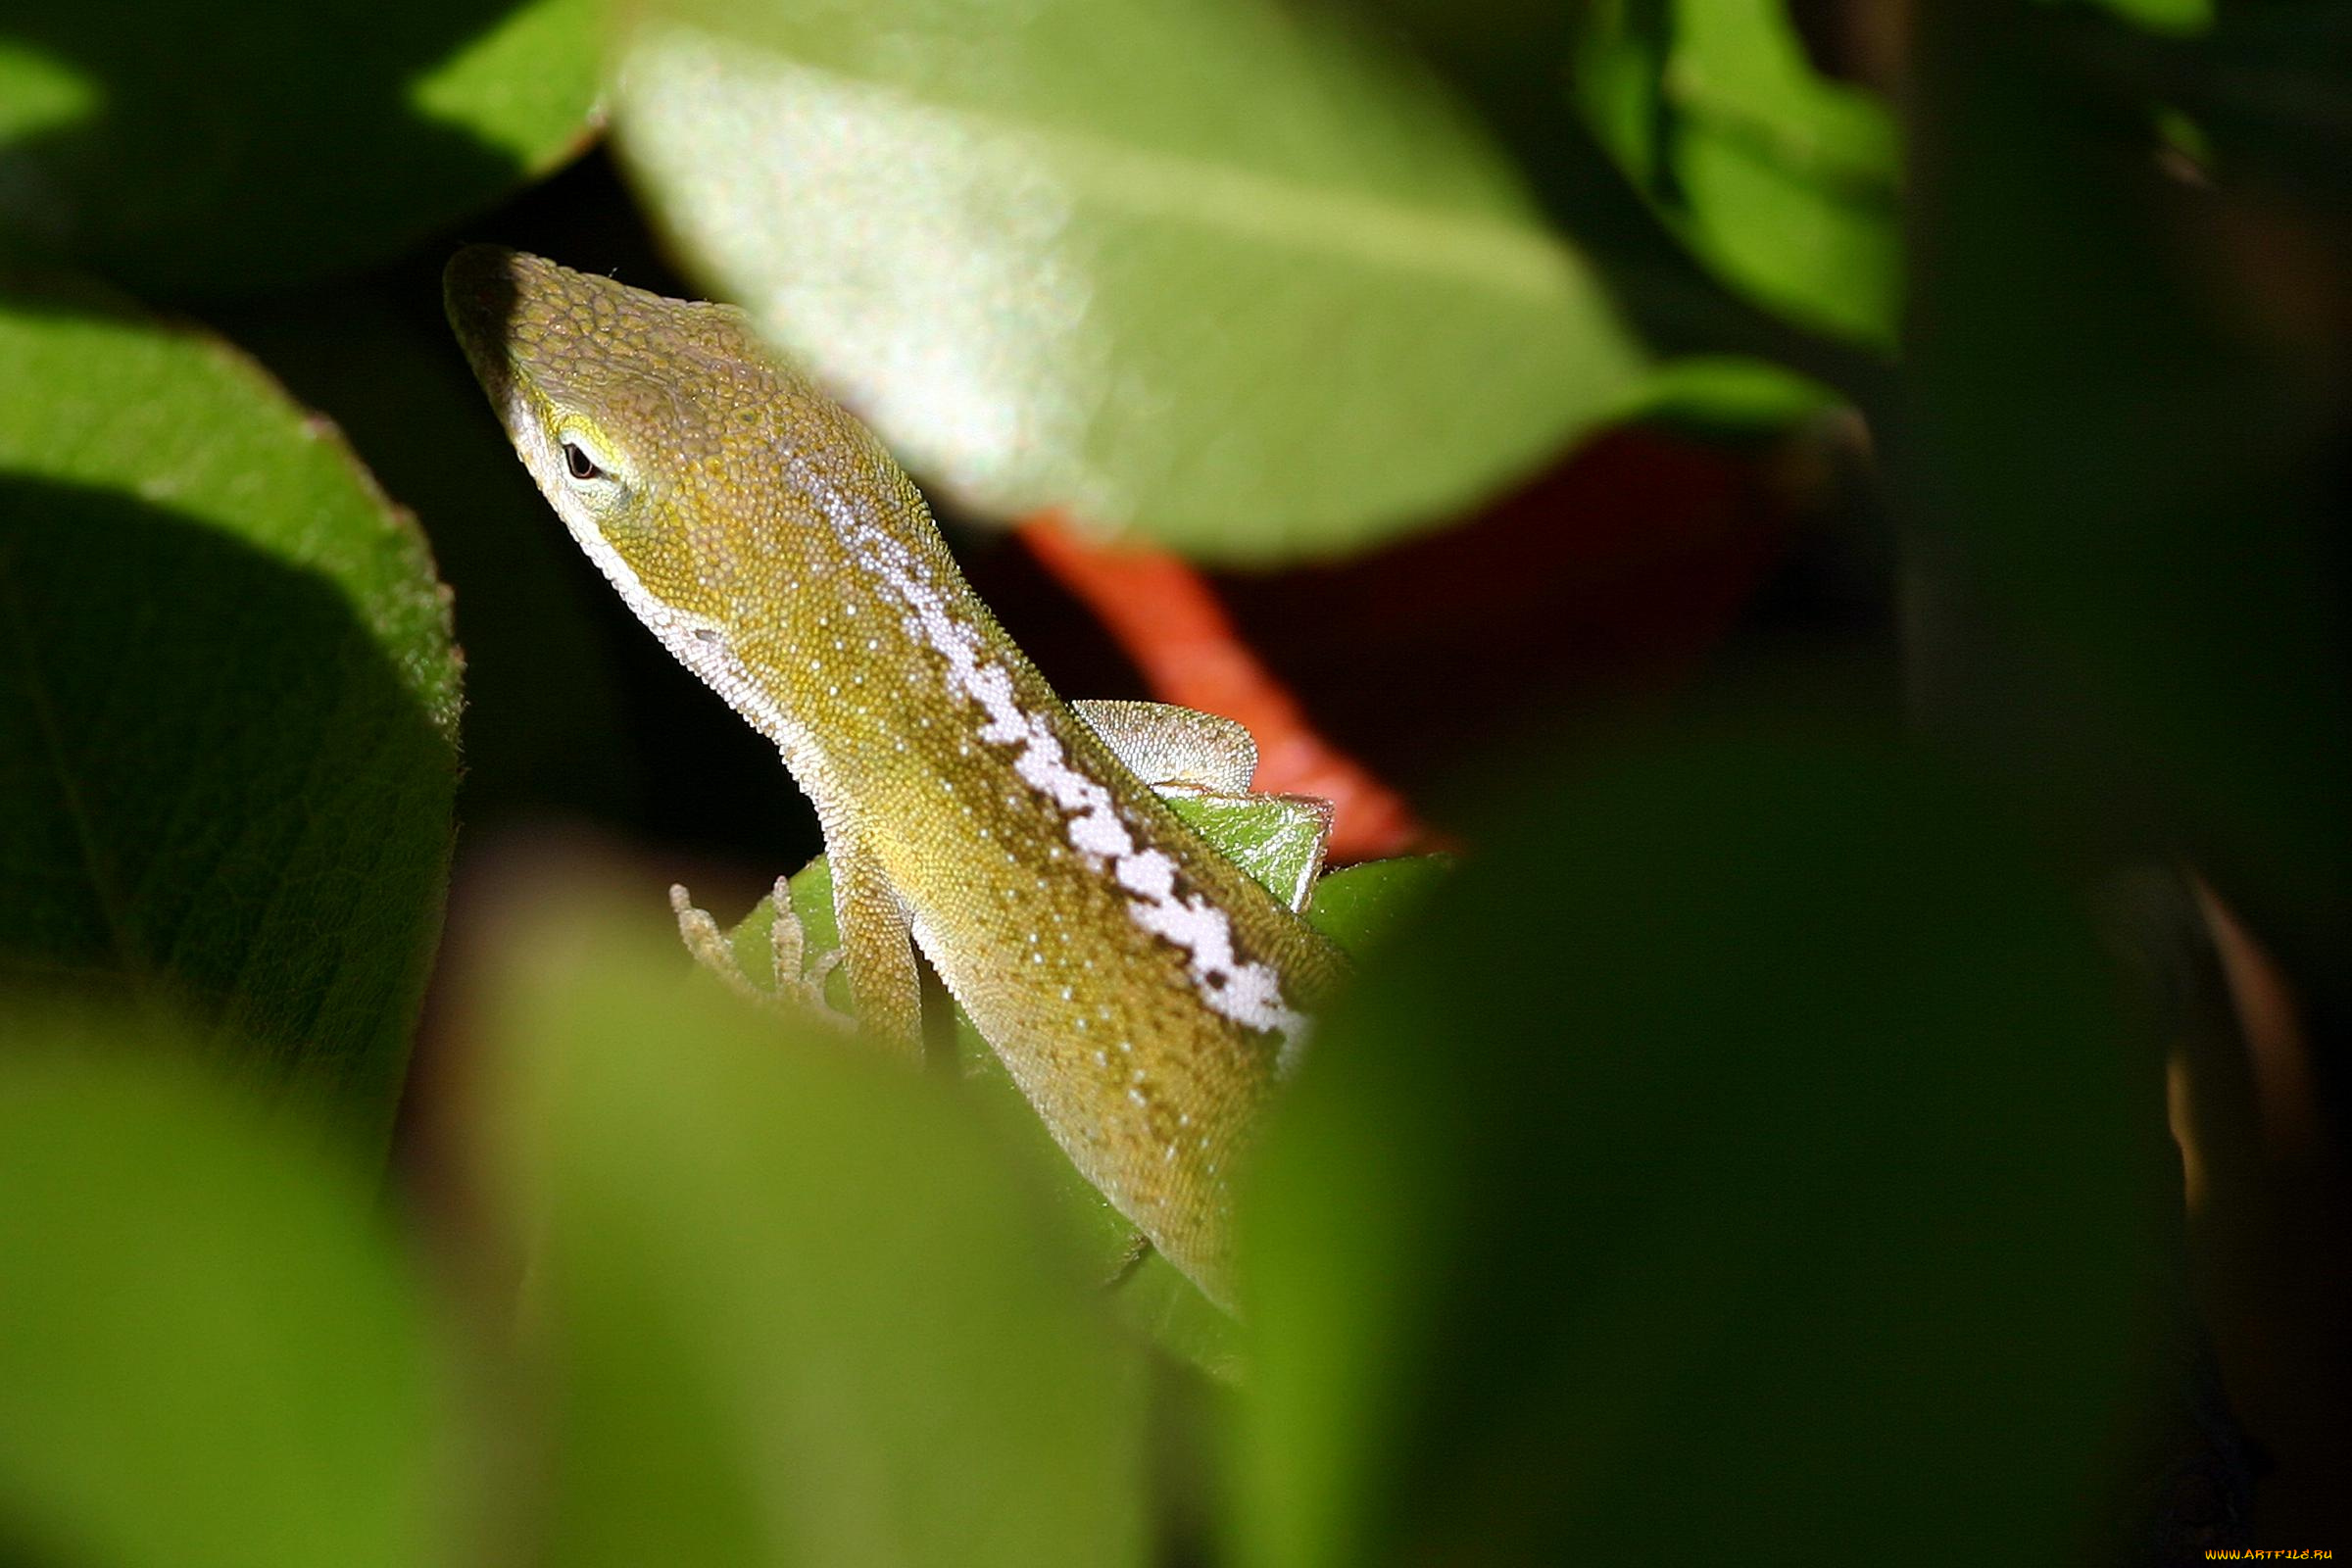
(792, 984)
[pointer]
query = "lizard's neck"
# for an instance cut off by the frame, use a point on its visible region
(856, 646)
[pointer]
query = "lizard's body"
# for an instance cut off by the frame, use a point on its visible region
(1139, 988)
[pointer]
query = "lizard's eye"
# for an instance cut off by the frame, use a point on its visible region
(578, 464)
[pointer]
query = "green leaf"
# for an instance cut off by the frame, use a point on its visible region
(1781, 180)
(2179, 16)
(1363, 906)
(1237, 276)
(211, 1357)
(794, 1303)
(1278, 839)
(186, 149)
(228, 703)
(1715, 394)
(1168, 1309)
(1745, 1159)
(810, 890)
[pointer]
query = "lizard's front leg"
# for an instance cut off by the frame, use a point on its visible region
(793, 981)
(885, 985)
(875, 937)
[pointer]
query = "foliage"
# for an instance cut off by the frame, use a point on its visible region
(1782, 180)
(1751, 1148)
(1054, 272)
(211, 1353)
(185, 153)
(791, 1303)
(230, 706)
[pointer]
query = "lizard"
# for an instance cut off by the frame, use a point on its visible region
(1144, 992)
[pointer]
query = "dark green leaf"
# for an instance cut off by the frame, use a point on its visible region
(192, 148)
(1745, 1159)
(1361, 906)
(228, 703)
(2125, 459)
(2163, 16)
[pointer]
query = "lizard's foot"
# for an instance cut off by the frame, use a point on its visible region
(792, 983)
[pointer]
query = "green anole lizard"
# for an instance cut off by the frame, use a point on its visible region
(1141, 990)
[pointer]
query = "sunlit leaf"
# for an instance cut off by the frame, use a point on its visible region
(209, 1356)
(1780, 179)
(1235, 276)
(1278, 839)
(227, 702)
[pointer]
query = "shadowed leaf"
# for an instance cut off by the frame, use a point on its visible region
(227, 704)
(193, 149)
(1746, 1158)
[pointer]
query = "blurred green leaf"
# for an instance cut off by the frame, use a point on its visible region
(195, 149)
(1233, 275)
(1780, 179)
(1361, 906)
(2261, 93)
(227, 702)
(2124, 461)
(1718, 393)
(1748, 1161)
(1170, 1312)
(210, 1356)
(2163, 16)
(794, 1303)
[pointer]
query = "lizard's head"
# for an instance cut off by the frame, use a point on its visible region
(622, 405)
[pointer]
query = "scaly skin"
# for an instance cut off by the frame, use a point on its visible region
(1140, 990)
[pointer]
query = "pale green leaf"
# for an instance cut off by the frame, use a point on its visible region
(1233, 275)
(796, 1305)
(211, 1357)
